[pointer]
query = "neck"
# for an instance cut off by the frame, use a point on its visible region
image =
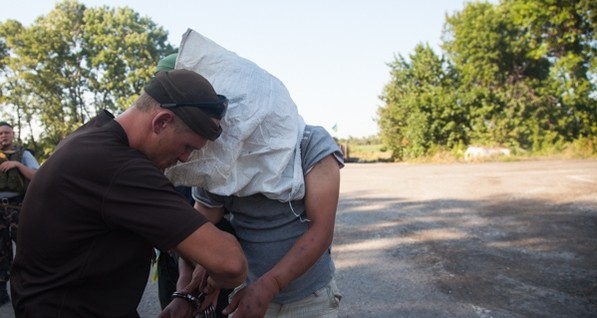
(134, 124)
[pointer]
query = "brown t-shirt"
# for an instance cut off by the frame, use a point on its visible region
(90, 219)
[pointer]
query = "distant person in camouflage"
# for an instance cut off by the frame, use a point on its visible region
(17, 168)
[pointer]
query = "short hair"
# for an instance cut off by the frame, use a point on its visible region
(146, 103)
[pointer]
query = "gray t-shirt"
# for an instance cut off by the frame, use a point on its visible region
(267, 228)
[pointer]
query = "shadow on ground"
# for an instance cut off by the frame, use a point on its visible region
(494, 257)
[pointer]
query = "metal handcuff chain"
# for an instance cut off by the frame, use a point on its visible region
(195, 302)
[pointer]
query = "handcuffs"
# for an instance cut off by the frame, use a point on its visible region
(194, 301)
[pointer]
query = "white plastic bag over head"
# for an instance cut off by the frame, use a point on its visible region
(259, 149)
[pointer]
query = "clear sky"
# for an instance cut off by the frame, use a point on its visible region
(332, 55)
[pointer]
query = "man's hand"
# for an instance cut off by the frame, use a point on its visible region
(253, 300)
(178, 308)
(198, 281)
(200, 284)
(8, 165)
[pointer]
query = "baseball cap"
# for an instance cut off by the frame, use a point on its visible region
(191, 97)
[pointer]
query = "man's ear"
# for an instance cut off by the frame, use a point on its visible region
(161, 120)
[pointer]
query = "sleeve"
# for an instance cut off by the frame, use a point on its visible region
(142, 200)
(317, 144)
(29, 161)
(210, 200)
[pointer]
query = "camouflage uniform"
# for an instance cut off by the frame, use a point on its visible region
(9, 220)
(12, 182)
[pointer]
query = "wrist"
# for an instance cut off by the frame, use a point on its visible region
(272, 283)
(188, 298)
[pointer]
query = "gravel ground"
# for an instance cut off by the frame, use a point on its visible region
(501, 239)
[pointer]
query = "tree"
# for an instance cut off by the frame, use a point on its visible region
(420, 112)
(73, 62)
(524, 69)
(489, 56)
(13, 88)
(521, 73)
(564, 33)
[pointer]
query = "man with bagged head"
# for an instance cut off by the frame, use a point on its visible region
(101, 202)
(280, 191)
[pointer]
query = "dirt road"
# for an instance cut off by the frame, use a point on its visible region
(468, 240)
(486, 240)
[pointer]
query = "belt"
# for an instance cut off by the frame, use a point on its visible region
(11, 200)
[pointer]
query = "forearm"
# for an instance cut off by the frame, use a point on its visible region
(322, 186)
(303, 254)
(218, 252)
(222, 278)
(185, 273)
(26, 171)
(214, 215)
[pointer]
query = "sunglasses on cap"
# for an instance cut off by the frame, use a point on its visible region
(217, 109)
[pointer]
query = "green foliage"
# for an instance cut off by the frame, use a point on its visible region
(71, 63)
(421, 110)
(519, 74)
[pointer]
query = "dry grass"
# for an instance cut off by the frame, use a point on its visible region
(367, 153)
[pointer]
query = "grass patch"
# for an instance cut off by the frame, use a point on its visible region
(366, 153)
(581, 149)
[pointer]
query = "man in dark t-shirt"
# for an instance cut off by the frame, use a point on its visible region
(101, 202)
